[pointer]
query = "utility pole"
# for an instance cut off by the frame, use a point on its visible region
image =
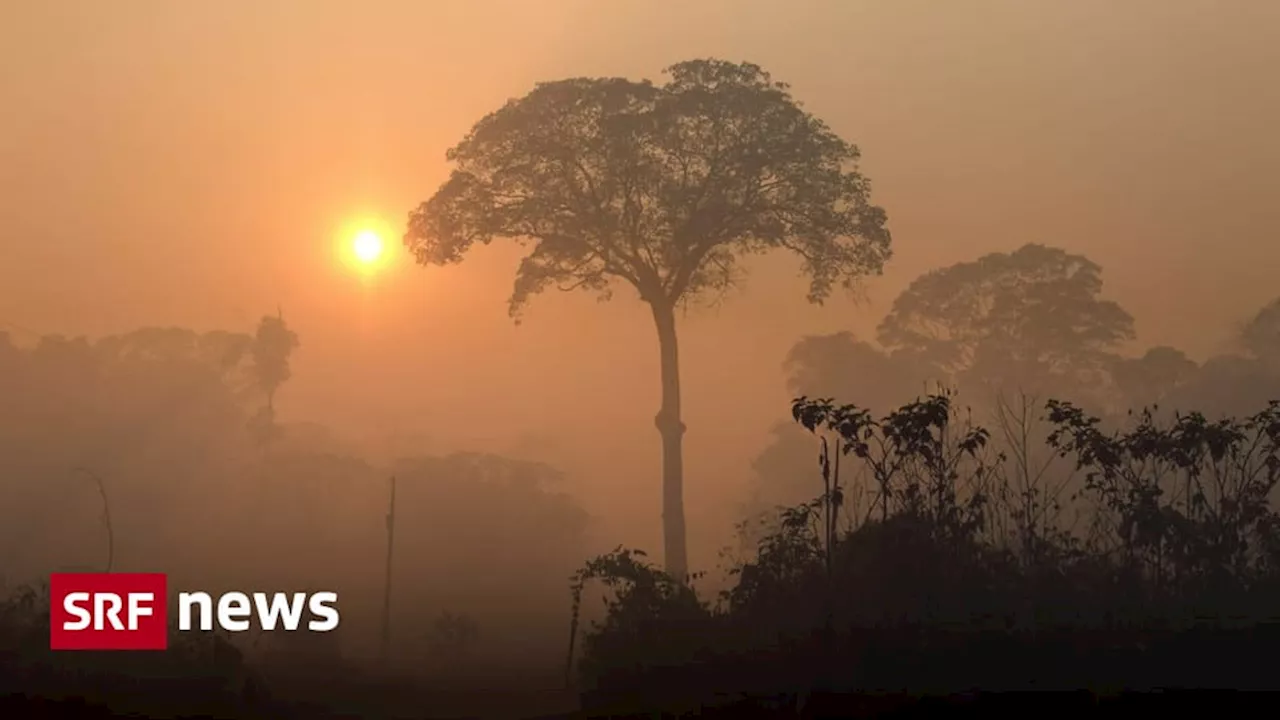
(386, 591)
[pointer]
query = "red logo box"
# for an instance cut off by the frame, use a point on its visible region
(108, 611)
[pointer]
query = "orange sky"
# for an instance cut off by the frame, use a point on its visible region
(168, 163)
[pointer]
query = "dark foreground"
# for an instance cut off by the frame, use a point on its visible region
(1175, 586)
(1062, 704)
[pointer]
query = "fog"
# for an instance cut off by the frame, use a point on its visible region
(197, 165)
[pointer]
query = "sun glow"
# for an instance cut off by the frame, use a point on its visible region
(362, 246)
(367, 246)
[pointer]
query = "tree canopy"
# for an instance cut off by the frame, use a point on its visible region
(1032, 313)
(1148, 380)
(662, 186)
(665, 187)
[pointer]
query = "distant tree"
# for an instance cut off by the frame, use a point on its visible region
(1148, 380)
(170, 382)
(661, 187)
(227, 354)
(149, 344)
(1227, 385)
(273, 344)
(1029, 317)
(837, 365)
(840, 365)
(515, 498)
(226, 351)
(781, 476)
(63, 366)
(1237, 384)
(163, 377)
(451, 636)
(1261, 335)
(147, 411)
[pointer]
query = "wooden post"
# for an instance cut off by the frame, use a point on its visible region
(386, 591)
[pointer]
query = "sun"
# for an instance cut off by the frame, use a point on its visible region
(367, 246)
(362, 246)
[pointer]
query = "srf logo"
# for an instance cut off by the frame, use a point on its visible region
(108, 611)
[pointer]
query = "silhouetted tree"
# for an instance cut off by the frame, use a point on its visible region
(1022, 318)
(273, 343)
(663, 187)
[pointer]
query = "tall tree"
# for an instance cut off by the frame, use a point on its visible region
(663, 188)
(1030, 318)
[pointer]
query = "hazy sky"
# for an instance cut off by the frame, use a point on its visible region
(192, 163)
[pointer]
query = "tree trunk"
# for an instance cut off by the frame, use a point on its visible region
(675, 553)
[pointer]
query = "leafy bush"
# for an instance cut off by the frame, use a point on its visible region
(948, 577)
